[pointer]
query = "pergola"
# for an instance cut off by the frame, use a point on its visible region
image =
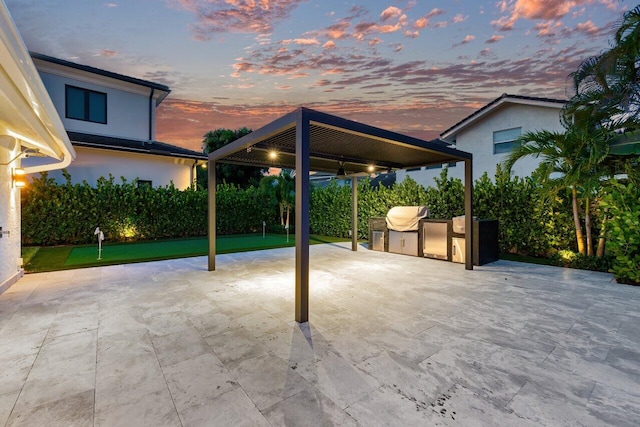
(308, 140)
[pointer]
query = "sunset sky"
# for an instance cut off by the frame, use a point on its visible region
(415, 66)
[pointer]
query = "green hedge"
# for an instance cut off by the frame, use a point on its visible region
(68, 214)
(529, 224)
(623, 227)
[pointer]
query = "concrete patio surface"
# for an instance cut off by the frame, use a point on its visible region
(392, 340)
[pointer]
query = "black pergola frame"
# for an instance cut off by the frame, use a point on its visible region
(307, 140)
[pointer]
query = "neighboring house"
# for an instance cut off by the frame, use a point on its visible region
(489, 134)
(29, 124)
(111, 121)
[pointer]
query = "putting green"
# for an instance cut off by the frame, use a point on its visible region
(129, 252)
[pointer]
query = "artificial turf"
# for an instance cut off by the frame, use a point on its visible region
(68, 257)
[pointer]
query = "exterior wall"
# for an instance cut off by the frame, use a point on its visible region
(9, 221)
(478, 140)
(127, 112)
(91, 164)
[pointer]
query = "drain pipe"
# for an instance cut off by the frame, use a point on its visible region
(151, 114)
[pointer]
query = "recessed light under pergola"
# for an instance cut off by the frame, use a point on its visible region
(308, 140)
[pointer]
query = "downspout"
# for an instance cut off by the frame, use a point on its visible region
(151, 114)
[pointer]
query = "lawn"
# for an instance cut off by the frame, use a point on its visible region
(68, 257)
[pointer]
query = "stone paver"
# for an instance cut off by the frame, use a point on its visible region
(393, 340)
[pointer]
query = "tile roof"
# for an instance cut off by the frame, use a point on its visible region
(133, 146)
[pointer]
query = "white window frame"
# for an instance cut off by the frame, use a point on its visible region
(507, 143)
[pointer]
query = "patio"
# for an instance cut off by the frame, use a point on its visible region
(392, 340)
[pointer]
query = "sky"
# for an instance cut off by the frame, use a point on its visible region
(412, 66)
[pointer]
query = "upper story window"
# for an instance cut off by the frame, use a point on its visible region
(504, 141)
(85, 104)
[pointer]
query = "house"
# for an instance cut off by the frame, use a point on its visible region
(489, 134)
(110, 119)
(29, 125)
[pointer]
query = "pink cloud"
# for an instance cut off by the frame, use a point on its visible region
(587, 27)
(390, 12)
(494, 39)
(329, 45)
(547, 10)
(423, 22)
(459, 18)
(241, 16)
(548, 28)
(468, 39)
(303, 42)
(338, 30)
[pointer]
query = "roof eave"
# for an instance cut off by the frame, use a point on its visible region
(449, 134)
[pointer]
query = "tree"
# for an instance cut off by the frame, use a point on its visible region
(608, 85)
(283, 189)
(570, 159)
(242, 176)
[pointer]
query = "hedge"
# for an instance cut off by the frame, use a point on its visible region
(529, 222)
(623, 227)
(55, 214)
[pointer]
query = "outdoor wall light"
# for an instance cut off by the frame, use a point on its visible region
(341, 172)
(18, 178)
(204, 165)
(371, 168)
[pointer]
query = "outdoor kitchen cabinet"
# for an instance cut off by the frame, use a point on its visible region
(485, 243)
(403, 242)
(378, 235)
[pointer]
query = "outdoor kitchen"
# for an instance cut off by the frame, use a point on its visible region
(408, 230)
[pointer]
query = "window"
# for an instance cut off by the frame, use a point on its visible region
(143, 183)
(504, 141)
(439, 166)
(413, 169)
(85, 104)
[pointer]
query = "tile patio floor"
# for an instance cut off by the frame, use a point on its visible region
(393, 340)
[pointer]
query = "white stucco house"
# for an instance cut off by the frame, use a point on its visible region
(29, 125)
(110, 119)
(489, 134)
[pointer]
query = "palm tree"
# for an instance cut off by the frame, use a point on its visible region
(608, 85)
(285, 194)
(565, 163)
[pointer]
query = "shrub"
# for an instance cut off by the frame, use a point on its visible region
(55, 214)
(623, 229)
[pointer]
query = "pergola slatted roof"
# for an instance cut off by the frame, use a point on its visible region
(308, 140)
(332, 140)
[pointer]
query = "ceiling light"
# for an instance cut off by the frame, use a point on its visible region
(273, 154)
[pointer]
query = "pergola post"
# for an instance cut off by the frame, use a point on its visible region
(302, 216)
(212, 214)
(354, 213)
(468, 212)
